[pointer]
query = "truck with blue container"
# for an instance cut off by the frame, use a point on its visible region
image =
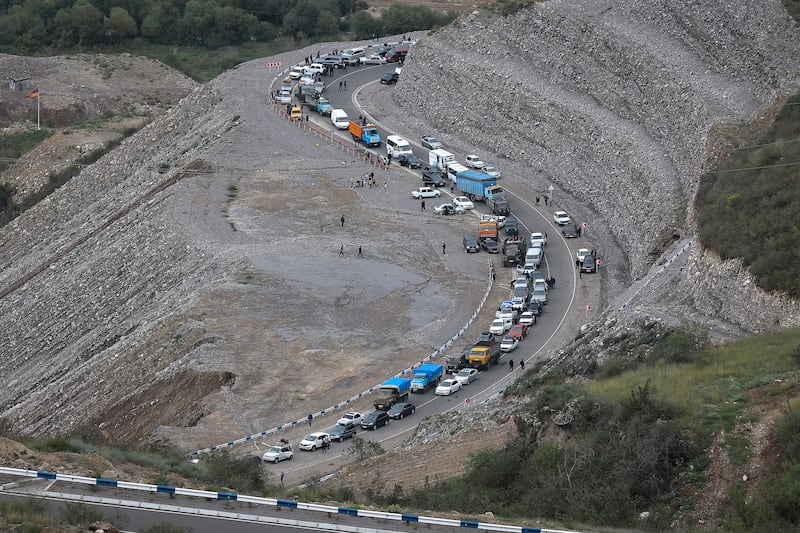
(426, 376)
(474, 184)
(392, 391)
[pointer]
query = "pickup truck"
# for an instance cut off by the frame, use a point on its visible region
(426, 376)
(484, 354)
(323, 106)
(366, 133)
(432, 177)
(392, 391)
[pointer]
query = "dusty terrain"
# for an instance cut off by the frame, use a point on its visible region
(196, 267)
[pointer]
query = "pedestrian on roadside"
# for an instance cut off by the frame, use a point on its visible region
(310, 417)
(341, 254)
(577, 263)
(283, 475)
(340, 85)
(537, 200)
(351, 180)
(522, 363)
(345, 85)
(359, 252)
(444, 248)
(510, 365)
(389, 159)
(422, 205)
(553, 281)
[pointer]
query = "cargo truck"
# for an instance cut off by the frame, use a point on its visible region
(474, 183)
(514, 251)
(366, 133)
(497, 200)
(323, 106)
(484, 354)
(439, 159)
(392, 391)
(426, 376)
(487, 229)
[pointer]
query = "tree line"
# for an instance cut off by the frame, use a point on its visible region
(32, 25)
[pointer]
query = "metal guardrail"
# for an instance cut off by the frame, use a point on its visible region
(273, 502)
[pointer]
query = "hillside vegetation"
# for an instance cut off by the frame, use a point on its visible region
(750, 207)
(200, 37)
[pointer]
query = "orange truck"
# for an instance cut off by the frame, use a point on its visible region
(487, 229)
(365, 133)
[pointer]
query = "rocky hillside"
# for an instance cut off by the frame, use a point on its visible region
(614, 104)
(188, 285)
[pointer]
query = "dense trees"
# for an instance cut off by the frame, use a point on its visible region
(30, 25)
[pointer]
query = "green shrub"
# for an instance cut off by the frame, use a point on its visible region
(787, 434)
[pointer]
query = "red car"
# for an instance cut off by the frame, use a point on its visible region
(518, 331)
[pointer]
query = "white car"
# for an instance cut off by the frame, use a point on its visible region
(316, 440)
(278, 453)
(581, 253)
(447, 209)
(426, 192)
(473, 161)
(373, 59)
(313, 69)
(500, 326)
(350, 418)
(527, 318)
(463, 201)
(466, 376)
(492, 171)
(285, 97)
(447, 387)
(509, 344)
(538, 239)
(561, 218)
(297, 72)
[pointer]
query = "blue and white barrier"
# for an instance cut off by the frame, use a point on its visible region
(293, 423)
(273, 502)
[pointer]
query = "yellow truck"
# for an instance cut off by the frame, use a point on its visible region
(484, 354)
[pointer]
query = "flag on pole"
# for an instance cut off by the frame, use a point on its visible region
(33, 93)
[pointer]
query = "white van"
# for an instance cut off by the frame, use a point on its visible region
(340, 119)
(396, 146)
(453, 169)
(534, 255)
(354, 52)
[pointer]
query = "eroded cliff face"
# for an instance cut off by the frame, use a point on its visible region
(612, 104)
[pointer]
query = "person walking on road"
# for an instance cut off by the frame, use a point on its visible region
(340, 85)
(341, 254)
(310, 418)
(359, 252)
(283, 475)
(422, 205)
(345, 85)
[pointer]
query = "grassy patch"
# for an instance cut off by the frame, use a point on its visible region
(711, 392)
(13, 145)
